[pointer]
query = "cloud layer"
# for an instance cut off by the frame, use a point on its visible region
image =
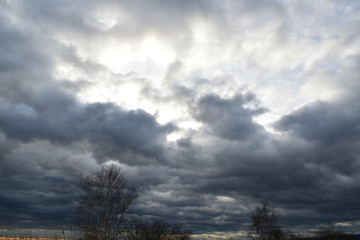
(208, 107)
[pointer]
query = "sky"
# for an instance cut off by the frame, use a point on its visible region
(208, 107)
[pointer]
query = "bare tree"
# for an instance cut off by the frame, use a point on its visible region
(264, 224)
(105, 198)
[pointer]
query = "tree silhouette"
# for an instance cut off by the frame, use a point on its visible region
(264, 224)
(105, 197)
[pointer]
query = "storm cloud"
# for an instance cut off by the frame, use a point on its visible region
(208, 107)
(228, 118)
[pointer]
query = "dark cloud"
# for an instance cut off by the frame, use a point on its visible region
(49, 201)
(330, 169)
(324, 121)
(44, 177)
(108, 127)
(229, 118)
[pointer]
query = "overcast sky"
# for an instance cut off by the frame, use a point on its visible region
(208, 107)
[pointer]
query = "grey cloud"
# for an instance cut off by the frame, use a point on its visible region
(229, 118)
(25, 65)
(51, 204)
(107, 126)
(39, 183)
(329, 168)
(324, 121)
(312, 168)
(301, 178)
